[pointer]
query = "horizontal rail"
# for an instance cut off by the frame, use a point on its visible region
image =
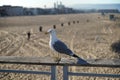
(94, 75)
(25, 72)
(66, 74)
(114, 63)
(63, 64)
(52, 73)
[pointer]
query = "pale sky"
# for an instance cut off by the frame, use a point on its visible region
(49, 3)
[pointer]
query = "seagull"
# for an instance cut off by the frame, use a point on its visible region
(59, 46)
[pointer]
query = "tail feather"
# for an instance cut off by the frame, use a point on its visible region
(80, 60)
(74, 55)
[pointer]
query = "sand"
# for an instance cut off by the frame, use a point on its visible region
(91, 38)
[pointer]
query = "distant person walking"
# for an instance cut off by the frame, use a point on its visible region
(28, 34)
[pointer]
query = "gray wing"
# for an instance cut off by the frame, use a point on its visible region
(60, 47)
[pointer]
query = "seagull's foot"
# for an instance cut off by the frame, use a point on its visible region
(57, 59)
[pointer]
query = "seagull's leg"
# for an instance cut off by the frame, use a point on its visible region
(56, 57)
(51, 53)
(70, 57)
(59, 57)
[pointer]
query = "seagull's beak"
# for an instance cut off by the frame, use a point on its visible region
(49, 31)
(46, 32)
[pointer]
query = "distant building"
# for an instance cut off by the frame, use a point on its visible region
(30, 11)
(33, 11)
(40, 11)
(69, 10)
(59, 8)
(11, 10)
(108, 10)
(2, 11)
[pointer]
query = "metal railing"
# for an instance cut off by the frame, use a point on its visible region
(66, 73)
(52, 73)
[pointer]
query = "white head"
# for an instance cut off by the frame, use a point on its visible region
(51, 31)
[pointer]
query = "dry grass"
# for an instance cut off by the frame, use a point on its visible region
(87, 39)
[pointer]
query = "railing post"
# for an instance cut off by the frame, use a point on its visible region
(65, 73)
(53, 73)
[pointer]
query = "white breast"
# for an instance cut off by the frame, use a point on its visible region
(51, 44)
(53, 39)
